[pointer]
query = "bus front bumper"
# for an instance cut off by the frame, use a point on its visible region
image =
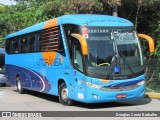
(99, 96)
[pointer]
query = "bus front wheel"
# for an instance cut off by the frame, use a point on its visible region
(19, 86)
(63, 95)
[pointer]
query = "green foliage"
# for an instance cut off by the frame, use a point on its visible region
(151, 21)
(149, 16)
(16, 17)
(57, 8)
(29, 12)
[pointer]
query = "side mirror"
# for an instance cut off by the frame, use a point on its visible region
(83, 42)
(149, 40)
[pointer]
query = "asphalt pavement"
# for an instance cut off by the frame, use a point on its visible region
(11, 100)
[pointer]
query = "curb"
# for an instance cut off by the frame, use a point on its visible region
(152, 95)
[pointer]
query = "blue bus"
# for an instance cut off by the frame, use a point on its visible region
(83, 57)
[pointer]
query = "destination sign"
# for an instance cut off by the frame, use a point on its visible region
(98, 30)
(124, 37)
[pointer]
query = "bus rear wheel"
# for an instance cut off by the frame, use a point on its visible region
(19, 86)
(63, 95)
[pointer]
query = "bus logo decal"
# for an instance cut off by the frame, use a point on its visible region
(49, 57)
(50, 61)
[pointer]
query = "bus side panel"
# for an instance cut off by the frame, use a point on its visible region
(10, 74)
(30, 79)
(51, 75)
(22, 66)
(35, 72)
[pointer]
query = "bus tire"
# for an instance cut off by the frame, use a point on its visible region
(19, 86)
(63, 95)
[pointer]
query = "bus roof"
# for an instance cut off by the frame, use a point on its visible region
(77, 19)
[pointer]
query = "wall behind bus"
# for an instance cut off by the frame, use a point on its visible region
(152, 66)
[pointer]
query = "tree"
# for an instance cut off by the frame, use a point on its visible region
(29, 12)
(14, 18)
(111, 6)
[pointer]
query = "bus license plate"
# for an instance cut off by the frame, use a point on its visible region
(121, 95)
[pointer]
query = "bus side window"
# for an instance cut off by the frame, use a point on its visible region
(77, 55)
(8, 46)
(69, 29)
(24, 44)
(69, 42)
(48, 39)
(60, 43)
(14, 45)
(37, 40)
(32, 41)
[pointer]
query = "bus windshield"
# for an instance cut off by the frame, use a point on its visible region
(114, 53)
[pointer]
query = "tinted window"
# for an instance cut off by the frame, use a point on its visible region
(8, 46)
(24, 44)
(77, 55)
(33, 42)
(51, 40)
(60, 44)
(14, 46)
(40, 41)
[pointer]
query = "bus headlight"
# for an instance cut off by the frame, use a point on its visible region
(141, 83)
(92, 85)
